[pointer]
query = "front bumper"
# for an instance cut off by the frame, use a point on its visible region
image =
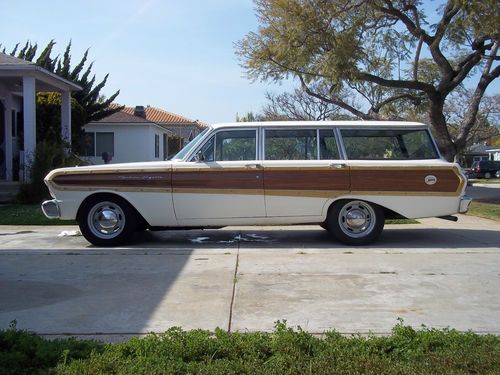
(51, 209)
(465, 201)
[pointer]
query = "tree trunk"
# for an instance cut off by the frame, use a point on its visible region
(438, 123)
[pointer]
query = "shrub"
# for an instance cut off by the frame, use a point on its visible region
(285, 351)
(47, 157)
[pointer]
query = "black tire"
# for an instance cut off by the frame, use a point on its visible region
(324, 225)
(487, 175)
(367, 222)
(107, 220)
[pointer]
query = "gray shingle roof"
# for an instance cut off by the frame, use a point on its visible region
(9, 60)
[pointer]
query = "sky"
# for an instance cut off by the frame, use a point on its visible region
(172, 54)
(177, 55)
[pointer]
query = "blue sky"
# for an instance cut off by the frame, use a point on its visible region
(174, 54)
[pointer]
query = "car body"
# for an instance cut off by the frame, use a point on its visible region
(485, 168)
(346, 176)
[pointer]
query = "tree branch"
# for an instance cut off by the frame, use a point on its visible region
(397, 83)
(334, 100)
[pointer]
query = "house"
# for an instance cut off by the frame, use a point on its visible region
(494, 153)
(20, 80)
(476, 152)
(136, 134)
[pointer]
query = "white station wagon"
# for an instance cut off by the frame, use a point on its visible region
(346, 176)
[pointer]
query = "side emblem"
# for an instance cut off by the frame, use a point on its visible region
(430, 179)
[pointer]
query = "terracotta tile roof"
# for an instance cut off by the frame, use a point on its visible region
(160, 116)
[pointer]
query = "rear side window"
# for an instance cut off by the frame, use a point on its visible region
(392, 144)
(289, 144)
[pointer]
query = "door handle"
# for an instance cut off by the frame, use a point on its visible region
(338, 165)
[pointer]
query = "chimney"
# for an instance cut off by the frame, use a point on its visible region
(139, 111)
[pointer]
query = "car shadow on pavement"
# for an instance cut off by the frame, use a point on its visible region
(417, 238)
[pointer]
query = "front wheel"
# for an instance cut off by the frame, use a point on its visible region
(107, 221)
(355, 222)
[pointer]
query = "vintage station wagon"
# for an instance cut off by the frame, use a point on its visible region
(346, 176)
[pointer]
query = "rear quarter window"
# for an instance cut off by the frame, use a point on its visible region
(388, 144)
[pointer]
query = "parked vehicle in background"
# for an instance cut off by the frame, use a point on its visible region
(346, 176)
(485, 169)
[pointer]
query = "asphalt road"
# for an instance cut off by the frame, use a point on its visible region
(437, 273)
(487, 193)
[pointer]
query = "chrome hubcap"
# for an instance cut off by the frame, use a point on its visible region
(106, 220)
(357, 219)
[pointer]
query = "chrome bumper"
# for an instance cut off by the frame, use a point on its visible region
(51, 209)
(465, 201)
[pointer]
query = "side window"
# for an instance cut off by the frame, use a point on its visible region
(328, 149)
(392, 144)
(288, 144)
(230, 145)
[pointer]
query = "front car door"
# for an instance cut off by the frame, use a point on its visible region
(303, 171)
(223, 181)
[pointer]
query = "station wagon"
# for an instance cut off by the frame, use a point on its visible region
(348, 177)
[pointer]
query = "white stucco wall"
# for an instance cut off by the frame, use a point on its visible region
(132, 142)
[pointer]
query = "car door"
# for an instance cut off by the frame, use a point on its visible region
(223, 181)
(302, 171)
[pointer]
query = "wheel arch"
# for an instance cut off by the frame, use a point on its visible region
(388, 213)
(108, 195)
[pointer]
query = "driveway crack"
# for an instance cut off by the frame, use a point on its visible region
(235, 280)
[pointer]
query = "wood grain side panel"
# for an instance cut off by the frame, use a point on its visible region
(223, 179)
(115, 180)
(402, 180)
(300, 179)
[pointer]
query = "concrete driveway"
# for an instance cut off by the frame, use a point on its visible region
(437, 273)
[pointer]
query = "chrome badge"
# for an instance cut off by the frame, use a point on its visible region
(430, 179)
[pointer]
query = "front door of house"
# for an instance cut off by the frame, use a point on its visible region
(3, 171)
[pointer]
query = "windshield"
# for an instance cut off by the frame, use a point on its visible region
(182, 153)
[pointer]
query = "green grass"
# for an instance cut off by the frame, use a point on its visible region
(20, 214)
(401, 221)
(492, 181)
(285, 351)
(485, 210)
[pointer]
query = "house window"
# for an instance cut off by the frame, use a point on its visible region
(96, 144)
(157, 146)
(104, 142)
(165, 146)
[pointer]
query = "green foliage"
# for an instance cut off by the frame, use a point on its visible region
(48, 156)
(285, 351)
(48, 119)
(374, 55)
(22, 352)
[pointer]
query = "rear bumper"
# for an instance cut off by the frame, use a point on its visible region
(465, 201)
(51, 209)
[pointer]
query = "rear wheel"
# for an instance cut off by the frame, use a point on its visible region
(107, 221)
(355, 222)
(487, 175)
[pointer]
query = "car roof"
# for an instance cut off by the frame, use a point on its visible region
(383, 124)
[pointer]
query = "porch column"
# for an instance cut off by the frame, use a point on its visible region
(66, 119)
(8, 138)
(29, 113)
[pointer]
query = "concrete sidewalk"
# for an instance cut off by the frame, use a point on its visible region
(436, 273)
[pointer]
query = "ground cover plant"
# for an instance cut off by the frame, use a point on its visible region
(284, 351)
(27, 214)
